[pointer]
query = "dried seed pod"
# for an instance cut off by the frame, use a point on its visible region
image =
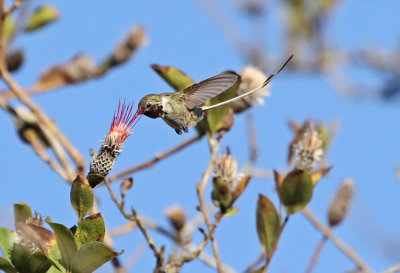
(78, 69)
(28, 127)
(125, 49)
(176, 216)
(14, 59)
(341, 202)
(126, 184)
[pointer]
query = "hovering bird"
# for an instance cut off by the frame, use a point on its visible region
(182, 110)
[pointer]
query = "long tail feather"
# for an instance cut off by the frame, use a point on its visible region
(266, 82)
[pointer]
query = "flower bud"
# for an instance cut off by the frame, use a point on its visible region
(341, 202)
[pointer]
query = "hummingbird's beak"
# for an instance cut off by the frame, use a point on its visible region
(139, 111)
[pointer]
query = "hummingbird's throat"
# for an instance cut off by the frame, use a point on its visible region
(154, 111)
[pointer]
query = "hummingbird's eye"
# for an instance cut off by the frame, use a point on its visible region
(148, 105)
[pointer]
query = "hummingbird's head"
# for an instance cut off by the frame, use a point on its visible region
(150, 106)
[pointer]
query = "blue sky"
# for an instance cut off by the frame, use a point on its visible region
(181, 34)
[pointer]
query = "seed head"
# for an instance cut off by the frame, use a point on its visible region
(251, 77)
(225, 168)
(308, 150)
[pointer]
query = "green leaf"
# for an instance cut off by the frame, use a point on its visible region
(6, 266)
(37, 263)
(296, 191)
(318, 174)
(9, 27)
(55, 257)
(268, 224)
(41, 17)
(66, 243)
(7, 240)
(91, 256)
(27, 261)
(81, 196)
(217, 117)
(54, 269)
(173, 76)
(230, 212)
(91, 229)
(22, 212)
(20, 256)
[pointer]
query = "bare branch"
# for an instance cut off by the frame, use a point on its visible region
(150, 163)
(201, 187)
(348, 251)
(316, 255)
(159, 253)
(393, 269)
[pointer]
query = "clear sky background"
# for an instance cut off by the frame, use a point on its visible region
(180, 33)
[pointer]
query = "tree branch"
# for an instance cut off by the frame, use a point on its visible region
(150, 163)
(348, 251)
(316, 255)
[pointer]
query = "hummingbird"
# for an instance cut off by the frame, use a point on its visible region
(183, 109)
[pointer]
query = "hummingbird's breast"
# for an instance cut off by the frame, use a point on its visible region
(176, 114)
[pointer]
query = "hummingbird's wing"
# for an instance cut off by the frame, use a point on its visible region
(199, 93)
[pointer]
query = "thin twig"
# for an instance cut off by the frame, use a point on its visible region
(151, 224)
(7, 94)
(133, 217)
(40, 151)
(150, 163)
(14, 6)
(201, 187)
(251, 138)
(25, 99)
(348, 251)
(146, 235)
(393, 269)
(42, 117)
(316, 255)
(256, 263)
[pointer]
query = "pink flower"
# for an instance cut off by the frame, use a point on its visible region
(122, 124)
